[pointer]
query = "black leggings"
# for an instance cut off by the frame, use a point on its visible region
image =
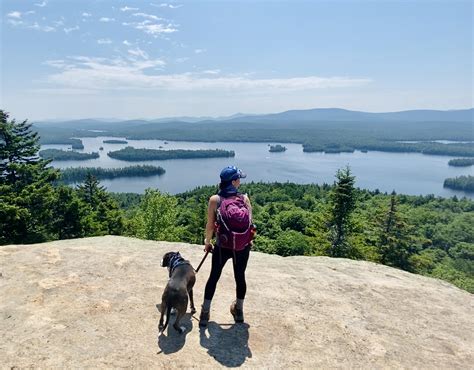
(219, 258)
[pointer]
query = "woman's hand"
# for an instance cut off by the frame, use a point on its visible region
(207, 246)
(210, 225)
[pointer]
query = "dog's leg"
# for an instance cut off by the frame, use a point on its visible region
(163, 309)
(191, 300)
(181, 311)
(190, 286)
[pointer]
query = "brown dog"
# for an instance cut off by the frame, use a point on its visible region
(180, 285)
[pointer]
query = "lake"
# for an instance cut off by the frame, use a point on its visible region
(406, 173)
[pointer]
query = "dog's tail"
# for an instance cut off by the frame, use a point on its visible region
(168, 314)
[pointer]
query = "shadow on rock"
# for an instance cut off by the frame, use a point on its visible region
(229, 345)
(173, 341)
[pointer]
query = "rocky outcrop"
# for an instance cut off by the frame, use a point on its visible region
(92, 303)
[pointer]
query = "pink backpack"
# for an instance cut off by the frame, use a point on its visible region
(234, 223)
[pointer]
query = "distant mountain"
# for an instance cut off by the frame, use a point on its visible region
(308, 115)
(203, 118)
(82, 121)
(336, 114)
(91, 124)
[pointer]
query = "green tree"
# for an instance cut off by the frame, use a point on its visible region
(192, 217)
(395, 245)
(26, 191)
(67, 214)
(343, 199)
(20, 164)
(102, 214)
(156, 218)
(91, 192)
(291, 243)
(294, 220)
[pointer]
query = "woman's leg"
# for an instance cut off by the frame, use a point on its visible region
(240, 265)
(237, 308)
(219, 258)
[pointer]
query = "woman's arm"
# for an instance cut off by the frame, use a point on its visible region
(211, 219)
(247, 201)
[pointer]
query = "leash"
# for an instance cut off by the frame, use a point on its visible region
(202, 261)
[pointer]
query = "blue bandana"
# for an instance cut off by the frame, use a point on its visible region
(228, 191)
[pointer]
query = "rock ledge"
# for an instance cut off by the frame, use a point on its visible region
(91, 303)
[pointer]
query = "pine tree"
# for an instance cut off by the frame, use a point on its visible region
(20, 164)
(26, 192)
(394, 246)
(343, 200)
(91, 192)
(67, 214)
(102, 214)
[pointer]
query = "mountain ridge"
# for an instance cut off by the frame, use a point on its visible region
(306, 115)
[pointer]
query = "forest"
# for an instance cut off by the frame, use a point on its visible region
(465, 183)
(277, 148)
(328, 136)
(461, 162)
(66, 155)
(427, 235)
(132, 154)
(79, 174)
(115, 141)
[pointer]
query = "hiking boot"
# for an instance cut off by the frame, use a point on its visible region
(203, 318)
(237, 313)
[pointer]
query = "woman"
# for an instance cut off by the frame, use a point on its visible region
(228, 189)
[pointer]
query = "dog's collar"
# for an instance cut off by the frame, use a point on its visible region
(176, 261)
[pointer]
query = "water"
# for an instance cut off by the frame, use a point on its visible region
(406, 173)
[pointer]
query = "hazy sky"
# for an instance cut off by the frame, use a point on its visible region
(150, 59)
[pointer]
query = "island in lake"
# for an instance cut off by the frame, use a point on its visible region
(132, 154)
(318, 130)
(78, 174)
(461, 162)
(63, 155)
(277, 148)
(465, 183)
(115, 141)
(76, 144)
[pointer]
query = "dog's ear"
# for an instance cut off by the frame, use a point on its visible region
(163, 261)
(166, 259)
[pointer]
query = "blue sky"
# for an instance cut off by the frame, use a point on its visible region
(150, 59)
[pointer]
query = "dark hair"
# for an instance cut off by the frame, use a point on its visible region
(224, 184)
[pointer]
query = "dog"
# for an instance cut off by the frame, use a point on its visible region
(175, 295)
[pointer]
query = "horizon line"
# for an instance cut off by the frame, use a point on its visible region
(245, 114)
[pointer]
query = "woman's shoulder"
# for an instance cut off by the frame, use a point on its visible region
(214, 198)
(246, 198)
